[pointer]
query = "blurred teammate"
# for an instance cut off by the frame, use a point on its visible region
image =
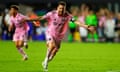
(57, 27)
(21, 28)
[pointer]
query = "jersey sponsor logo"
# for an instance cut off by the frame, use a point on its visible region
(55, 23)
(64, 19)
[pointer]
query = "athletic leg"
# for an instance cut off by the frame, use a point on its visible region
(20, 49)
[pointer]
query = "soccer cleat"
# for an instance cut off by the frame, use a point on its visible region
(25, 58)
(45, 66)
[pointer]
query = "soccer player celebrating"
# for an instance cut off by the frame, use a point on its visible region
(57, 27)
(21, 29)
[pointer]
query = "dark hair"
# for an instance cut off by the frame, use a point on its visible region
(15, 7)
(62, 3)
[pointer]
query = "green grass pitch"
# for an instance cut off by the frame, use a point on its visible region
(72, 57)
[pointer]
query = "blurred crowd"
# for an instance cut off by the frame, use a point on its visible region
(107, 25)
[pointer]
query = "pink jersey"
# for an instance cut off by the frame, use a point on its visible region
(57, 25)
(16, 21)
(82, 19)
(102, 21)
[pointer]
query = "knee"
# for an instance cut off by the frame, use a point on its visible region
(19, 45)
(51, 45)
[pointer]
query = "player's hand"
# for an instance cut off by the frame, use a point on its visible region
(77, 22)
(91, 29)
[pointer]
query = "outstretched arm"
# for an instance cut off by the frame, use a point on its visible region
(10, 28)
(34, 19)
(78, 23)
(81, 24)
(90, 28)
(46, 16)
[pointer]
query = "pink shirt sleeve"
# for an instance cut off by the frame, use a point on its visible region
(65, 27)
(24, 17)
(47, 16)
(70, 17)
(25, 24)
(101, 21)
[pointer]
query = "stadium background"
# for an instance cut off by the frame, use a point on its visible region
(42, 7)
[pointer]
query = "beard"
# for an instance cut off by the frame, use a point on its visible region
(60, 12)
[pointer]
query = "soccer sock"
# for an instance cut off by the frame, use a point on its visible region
(89, 36)
(47, 56)
(51, 57)
(95, 36)
(70, 38)
(22, 52)
(46, 61)
(53, 53)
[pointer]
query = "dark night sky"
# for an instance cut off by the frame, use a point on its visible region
(68, 1)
